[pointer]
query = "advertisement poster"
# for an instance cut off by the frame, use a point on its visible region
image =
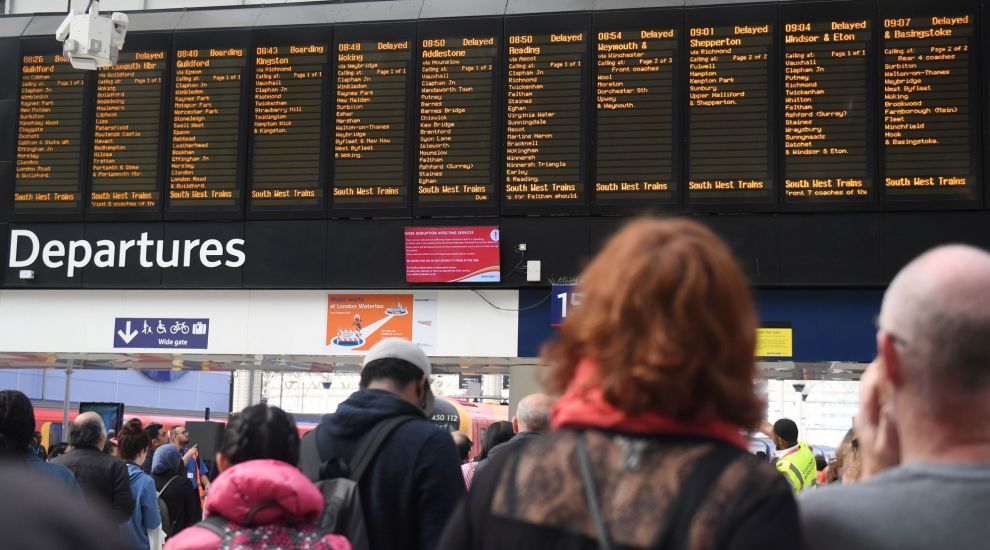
(452, 254)
(356, 322)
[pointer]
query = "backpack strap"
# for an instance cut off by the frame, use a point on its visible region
(372, 443)
(675, 532)
(215, 524)
(591, 492)
(167, 483)
(309, 455)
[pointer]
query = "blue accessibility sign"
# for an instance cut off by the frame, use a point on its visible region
(161, 333)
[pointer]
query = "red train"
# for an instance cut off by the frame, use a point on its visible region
(450, 413)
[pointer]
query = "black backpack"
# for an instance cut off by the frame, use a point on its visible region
(167, 522)
(338, 481)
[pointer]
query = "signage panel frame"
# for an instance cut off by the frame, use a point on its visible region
(353, 32)
(548, 24)
(621, 20)
(730, 15)
(464, 27)
(239, 38)
(46, 46)
(288, 36)
(139, 41)
(912, 8)
(823, 11)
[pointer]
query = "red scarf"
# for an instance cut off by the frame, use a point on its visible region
(584, 406)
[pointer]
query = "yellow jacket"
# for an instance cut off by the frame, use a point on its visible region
(799, 467)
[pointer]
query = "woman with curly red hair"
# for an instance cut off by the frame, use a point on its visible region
(655, 372)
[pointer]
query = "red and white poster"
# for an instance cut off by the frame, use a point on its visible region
(355, 322)
(452, 255)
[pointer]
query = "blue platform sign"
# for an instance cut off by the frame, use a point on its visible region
(562, 300)
(160, 333)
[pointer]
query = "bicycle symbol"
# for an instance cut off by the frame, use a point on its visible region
(179, 327)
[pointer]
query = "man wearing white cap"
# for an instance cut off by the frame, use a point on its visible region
(414, 481)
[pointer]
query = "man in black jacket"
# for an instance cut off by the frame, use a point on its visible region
(532, 419)
(411, 488)
(102, 478)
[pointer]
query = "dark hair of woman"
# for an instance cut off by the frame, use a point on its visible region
(16, 423)
(496, 434)
(132, 440)
(260, 432)
(666, 316)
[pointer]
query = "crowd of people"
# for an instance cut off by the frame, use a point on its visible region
(638, 442)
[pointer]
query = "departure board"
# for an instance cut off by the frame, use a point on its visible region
(456, 164)
(930, 113)
(372, 88)
(730, 126)
(49, 127)
(206, 121)
(286, 135)
(636, 61)
(827, 94)
(544, 140)
(126, 136)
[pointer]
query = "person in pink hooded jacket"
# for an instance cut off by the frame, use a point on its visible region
(260, 499)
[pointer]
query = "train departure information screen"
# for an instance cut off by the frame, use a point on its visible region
(543, 143)
(369, 142)
(826, 142)
(205, 128)
(927, 121)
(634, 103)
(48, 133)
(126, 138)
(455, 120)
(728, 110)
(288, 92)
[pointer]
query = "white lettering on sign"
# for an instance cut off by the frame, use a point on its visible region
(25, 248)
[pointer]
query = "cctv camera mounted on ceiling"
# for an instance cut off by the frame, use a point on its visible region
(91, 41)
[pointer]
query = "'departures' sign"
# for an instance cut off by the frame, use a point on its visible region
(26, 250)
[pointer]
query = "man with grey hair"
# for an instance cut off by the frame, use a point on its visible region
(933, 396)
(532, 419)
(102, 478)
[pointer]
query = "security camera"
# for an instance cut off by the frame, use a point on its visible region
(90, 40)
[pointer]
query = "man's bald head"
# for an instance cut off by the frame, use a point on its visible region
(87, 430)
(937, 314)
(533, 413)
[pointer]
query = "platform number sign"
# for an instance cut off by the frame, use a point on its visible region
(563, 300)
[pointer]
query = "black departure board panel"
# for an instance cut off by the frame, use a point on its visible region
(127, 136)
(931, 129)
(373, 70)
(208, 104)
(637, 67)
(456, 164)
(288, 161)
(49, 132)
(828, 97)
(731, 85)
(545, 127)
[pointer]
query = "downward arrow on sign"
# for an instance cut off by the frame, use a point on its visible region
(127, 334)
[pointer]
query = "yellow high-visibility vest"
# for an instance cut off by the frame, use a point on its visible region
(799, 467)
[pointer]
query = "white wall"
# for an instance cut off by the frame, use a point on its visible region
(286, 322)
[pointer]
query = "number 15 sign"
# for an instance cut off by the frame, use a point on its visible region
(562, 299)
